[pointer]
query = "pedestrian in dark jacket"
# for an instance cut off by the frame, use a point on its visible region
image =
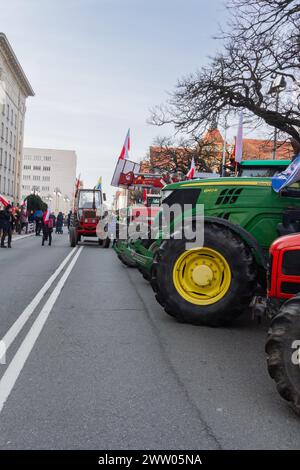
(7, 225)
(48, 224)
(59, 223)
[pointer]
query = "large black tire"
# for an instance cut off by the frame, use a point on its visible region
(73, 237)
(240, 290)
(281, 352)
(106, 243)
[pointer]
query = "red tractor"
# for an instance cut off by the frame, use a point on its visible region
(87, 212)
(283, 342)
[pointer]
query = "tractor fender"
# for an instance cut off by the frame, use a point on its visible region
(251, 241)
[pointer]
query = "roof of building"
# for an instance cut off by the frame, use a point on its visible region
(15, 65)
(263, 149)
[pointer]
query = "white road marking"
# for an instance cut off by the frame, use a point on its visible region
(16, 365)
(25, 315)
(21, 237)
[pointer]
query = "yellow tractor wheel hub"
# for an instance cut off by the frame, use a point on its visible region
(201, 276)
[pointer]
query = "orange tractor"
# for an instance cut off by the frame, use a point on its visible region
(87, 212)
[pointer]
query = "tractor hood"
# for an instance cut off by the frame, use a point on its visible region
(234, 181)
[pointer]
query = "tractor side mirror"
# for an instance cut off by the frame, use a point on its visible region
(104, 197)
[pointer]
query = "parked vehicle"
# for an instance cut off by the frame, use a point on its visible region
(283, 342)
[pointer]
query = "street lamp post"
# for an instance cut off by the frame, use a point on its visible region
(35, 190)
(277, 86)
(57, 194)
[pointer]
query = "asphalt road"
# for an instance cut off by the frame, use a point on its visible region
(95, 363)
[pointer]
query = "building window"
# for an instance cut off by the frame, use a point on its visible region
(46, 168)
(26, 177)
(2, 130)
(1, 156)
(27, 167)
(6, 135)
(37, 168)
(46, 178)
(47, 158)
(36, 178)
(7, 116)
(45, 188)
(37, 158)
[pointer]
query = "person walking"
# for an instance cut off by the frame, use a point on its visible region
(59, 223)
(23, 220)
(47, 223)
(38, 216)
(7, 224)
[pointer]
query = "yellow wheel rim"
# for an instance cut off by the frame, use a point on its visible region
(201, 276)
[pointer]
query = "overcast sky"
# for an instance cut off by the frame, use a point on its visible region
(97, 66)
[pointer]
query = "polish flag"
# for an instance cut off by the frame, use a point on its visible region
(46, 216)
(191, 171)
(4, 201)
(124, 155)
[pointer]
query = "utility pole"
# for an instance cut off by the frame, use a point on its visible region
(224, 147)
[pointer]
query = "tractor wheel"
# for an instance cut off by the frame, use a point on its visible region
(283, 352)
(208, 286)
(106, 243)
(73, 237)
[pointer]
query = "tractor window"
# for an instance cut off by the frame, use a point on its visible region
(261, 172)
(89, 200)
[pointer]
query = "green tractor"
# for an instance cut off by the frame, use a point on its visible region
(212, 285)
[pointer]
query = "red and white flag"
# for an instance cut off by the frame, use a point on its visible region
(192, 170)
(4, 201)
(124, 155)
(46, 216)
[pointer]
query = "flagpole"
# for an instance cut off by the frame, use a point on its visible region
(224, 148)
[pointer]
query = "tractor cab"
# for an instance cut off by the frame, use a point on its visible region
(88, 209)
(262, 168)
(89, 204)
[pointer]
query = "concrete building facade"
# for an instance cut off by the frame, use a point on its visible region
(51, 173)
(14, 89)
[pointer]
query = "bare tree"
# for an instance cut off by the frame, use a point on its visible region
(263, 43)
(170, 155)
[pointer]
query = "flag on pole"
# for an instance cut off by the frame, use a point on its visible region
(287, 177)
(239, 141)
(77, 183)
(124, 155)
(46, 216)
(99, 184)
(192, 169)
(232, 153)
(4, 201)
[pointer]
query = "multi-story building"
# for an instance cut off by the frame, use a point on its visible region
(51, 174)
(14, 89)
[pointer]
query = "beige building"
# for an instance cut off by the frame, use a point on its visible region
(14, 89)
(51, 174)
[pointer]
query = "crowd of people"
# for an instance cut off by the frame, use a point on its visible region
(19, 219)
